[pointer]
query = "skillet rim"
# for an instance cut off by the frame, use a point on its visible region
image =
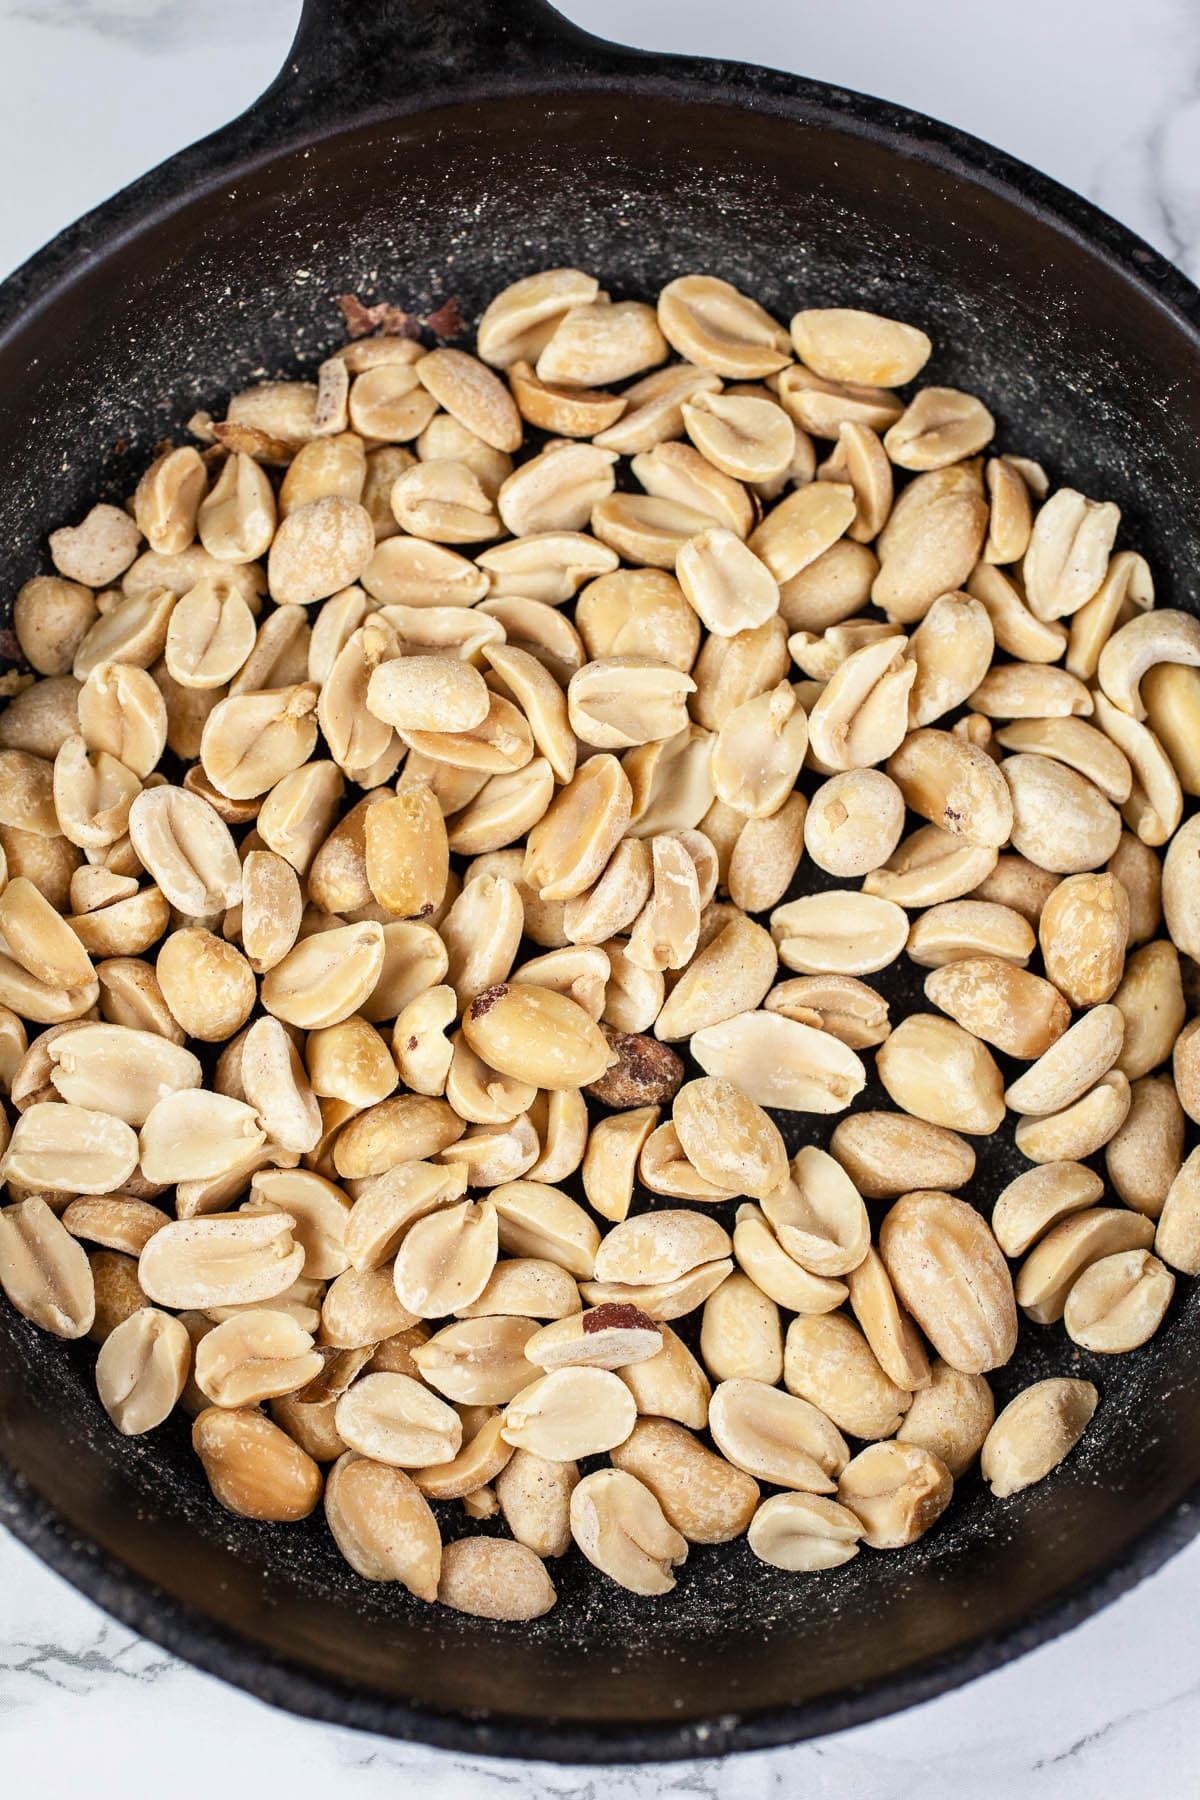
(252, 143)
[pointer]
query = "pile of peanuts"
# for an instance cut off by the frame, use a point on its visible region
(410, 943)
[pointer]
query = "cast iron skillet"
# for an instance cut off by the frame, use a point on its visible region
(412, 150)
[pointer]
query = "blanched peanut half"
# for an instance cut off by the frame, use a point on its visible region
(952, 648)
(1018, 1012)
(702, 1496)
(879, 1149)
(728, 976)
(1151, 1001)
(493, 1578)
(407, 852)
(728, 1138)
(69, 1148)
(602, 1337)
(35, 934)
(839, 932)
(481, 934)
(1144, 1156)
(712, 323)
(949, 1272)
(568, 849)
(394, 1419)
(253, 1467)
(44, 1271)
(665, 932)
(1177, 1239)
(950, 1418)
(118, 1070)
(747, 436)
(319, 549)
(192, 1135)
(854, 822)
(319, 1211)
(840, 1005)
(828, 1362)
(765, 855)
(236, 519)
(207, 984)
(859, 459)
(117, 1222)
(187, 848)
(957, 930)
(730, 671)
(556, 490)
(803, 1533)
(931, 865)
(541, 699)
(802, 526)
(477, 1362)
(1170, 692)
(776, 1436)
(622, 701)
(659, 1246)
(780, 1062)
(406, 1128)
(27, 800)
(428, 693)
(419, 1046)
(142, 1369)
(1068, 552)
(568, 412)
(759, 751)
(325, 978)
(570, 1413)
(1180, 895)
(51, 618)
(661, 1300)
(1018, 633)
(276, 1086)
(1072, 1065)
(92, 795)
(889, 1331)
(1050, 1270)
(1118, 1302)
(845, 344)
(253, 1356)
(1077, 1130)
(132, 630)
(518, 322)
(955, 785)
(525, 1287)
(741, 1334)
(1011, 520)
(536, 1035)
(98, 550)
(726, 584)
(598, 343)
(251, 741)
(931, 542)
(446, 1259)
(935, 1070)
(233, 1259)
(622, 1530)
(535, 1498)
(861, 715)
(897, 1490)
(1155, 803)
(818, 1215)
(383, 1525)
(773, 1270)
(123, 714)
(1035, 1432)
(272, 906)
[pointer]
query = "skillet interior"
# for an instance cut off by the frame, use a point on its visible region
(1086, 370)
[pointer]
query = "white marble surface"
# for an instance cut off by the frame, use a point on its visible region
(1103, 94)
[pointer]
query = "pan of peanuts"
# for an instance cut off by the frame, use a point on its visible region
(599, 898)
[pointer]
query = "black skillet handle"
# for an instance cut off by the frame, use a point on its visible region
(352, 57)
